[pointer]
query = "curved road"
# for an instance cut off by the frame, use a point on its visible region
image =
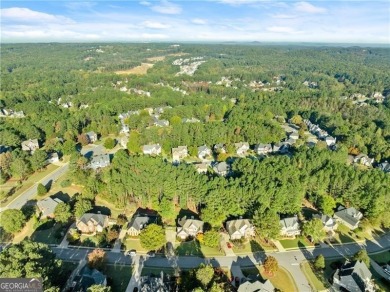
(288, 259)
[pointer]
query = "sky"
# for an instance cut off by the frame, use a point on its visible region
(198, 21)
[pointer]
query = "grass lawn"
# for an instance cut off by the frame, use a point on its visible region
(314, 280)
(27, 230)
(297, 242)
(35, 177)
(193, 248)
(131, 243)
(282, 279)
(248, 247)
(381, 258)
(119, 275)
(156, 271)
(49, 233)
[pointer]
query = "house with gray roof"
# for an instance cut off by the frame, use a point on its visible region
(240, 228)
(92, 137)
(294, 135)
(179, 153)
(385, 166)
(161, 123)
(250, 285)
(151, 149)
(91, 223)
(219, 148)
(328, 222)
(262, 149)
(189, 227)
(201, 167)
(30, 145)
(47, 207)
(88, 277)
(290, 226)
(241, 148)
(139, 222)
(363, 159)
(221, 168)
(350, 217)
(53, 158)
(330, 140)
(353, 276)
(99, 161)
(203, 152)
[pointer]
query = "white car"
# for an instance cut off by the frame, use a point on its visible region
(131, 253)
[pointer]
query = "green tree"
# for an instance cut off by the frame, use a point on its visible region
(41, 190)
(99, 288)
(205, 274)
(152, 237)
(211, 238)
(271, 265)
(62, 212)
(20, 167)
(362, 255)
(266, 223)
(69, 147)
(38, 160)
(319, 262)
(81, 207)
(109, 143)
(175, 120)
(327, 204)
(314, 229)
(29, 259)
(112, 233)
(12, 220)
(73, 235)
(134, 145)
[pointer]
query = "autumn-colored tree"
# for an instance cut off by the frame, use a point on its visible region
(271, 265)
(83, 139)
(96, 258)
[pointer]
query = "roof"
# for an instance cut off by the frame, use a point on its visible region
(385, 166)
(349, 215)
(290, 222)
(139, 222)
(256, 286)
(48, 205)
(186, 223)
(221, 167)
(236, 225)
(91, 133)
(88, 277)
(354, 274)
(31, 143)
(241, 144)
(179, 149)
(203, 148)
(100, 219)
(101, 160)
(151, 147)
(324, 218)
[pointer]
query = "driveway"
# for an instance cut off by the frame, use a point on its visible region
(170, 235)
(223, 243)
(118, 242)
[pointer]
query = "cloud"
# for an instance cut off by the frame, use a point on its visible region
(284, 16)
(281, 29)
(26, 15)
(199, 21)
(155, 25)
(166, 7)
(308, 8)
(154, 36)
(239, 2)
(145, 3)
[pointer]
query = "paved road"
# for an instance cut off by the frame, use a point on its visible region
(289, 259)
(30, 193)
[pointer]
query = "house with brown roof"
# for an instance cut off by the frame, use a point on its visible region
(91, 223)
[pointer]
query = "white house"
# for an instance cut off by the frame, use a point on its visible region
(152, 149)
(203, 152)
(290, 226)
(241, 148)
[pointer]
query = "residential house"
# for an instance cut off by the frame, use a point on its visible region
(221, 168)
(385, 166)
(201, 167)
(99, 161)
(262, 149)
(88, 277)
(161, 123)
(240, 228)
(151, 149)
(290, 226)
(241, 148)
(47, 207)
(179, 153)
(203, 152)
(220, 148)
(91, 223)
(348, 216)
(92, 137)
(294, 135)
(353, 276)
(123, 141)
(363, 159)
(276, 147)
(125, 129)
(189, 227)
(163, 283)
(139, 222)
(30, 145)
(329, 223)
(192, 120)
(53, 158)
(149, 110)
(256, 286)
(330, 140)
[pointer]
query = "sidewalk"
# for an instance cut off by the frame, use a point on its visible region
(278, 245)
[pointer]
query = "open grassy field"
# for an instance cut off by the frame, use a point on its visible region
(139, 70)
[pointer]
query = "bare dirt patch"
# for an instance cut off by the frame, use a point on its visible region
(139, 70)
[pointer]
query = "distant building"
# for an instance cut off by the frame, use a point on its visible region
(179, 153)
(385, 166)
(328, 222)
(91, 136)
(241, 148)
(152, 149)
(363, 159)
(201, 167)
(189, 227)
(290, 226)
(30, 145)
(348, 216)
(123, 141)
(192, 120)
(47, 207)
(203, 152)
(262, 149)
(353, 276)
(163, 283)
(221, 168)
(161, 123)
(256, 286)
(99, 161)
(240, 228)
(219, 148)
(330, 140)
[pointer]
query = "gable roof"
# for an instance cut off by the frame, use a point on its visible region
(100, 219)
(234, 226)
(385, 166)
(256, 286)
(186, 223)
(139, 222)
(101, 160)
(88, 277)
(325, 219)
(290, 222)
(349, 215)
(48, 205)
(354, 274)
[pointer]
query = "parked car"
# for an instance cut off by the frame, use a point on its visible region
(131, 253)
(229, 245)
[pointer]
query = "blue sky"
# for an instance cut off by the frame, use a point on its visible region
(219, 20)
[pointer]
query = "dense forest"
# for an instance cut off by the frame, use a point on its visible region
(65, 90)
